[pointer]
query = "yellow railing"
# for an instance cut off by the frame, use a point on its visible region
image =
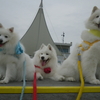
(50, 89)
(55, 89)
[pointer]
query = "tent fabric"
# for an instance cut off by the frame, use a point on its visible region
(37, 34)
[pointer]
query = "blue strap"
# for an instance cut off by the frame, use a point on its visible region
(24, 81)
(1, 49)
(18, 49)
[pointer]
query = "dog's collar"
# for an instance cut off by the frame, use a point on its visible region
(46, 70)
(95, 32)
(37, 66)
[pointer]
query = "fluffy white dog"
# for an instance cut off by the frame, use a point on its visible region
(45, 62)
(90, 53)
(13, 57)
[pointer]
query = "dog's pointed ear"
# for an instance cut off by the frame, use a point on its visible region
(50, 47)
(11, 29)
(94, 9)
(1, 26)
(42, 46)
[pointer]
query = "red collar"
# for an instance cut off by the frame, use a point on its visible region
(46, 70)
(37, 66)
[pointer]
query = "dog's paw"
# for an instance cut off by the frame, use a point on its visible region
(1, 77)
(57, 77)
(96, 81)
(61, 78)
(4, 81)
(39, 76)
(71, 79)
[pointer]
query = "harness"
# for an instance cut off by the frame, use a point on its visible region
(95, 33)
(90, 44)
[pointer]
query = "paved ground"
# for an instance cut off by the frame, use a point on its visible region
(48, 82)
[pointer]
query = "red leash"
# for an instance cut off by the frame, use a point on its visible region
(34, 88)
(46, 70)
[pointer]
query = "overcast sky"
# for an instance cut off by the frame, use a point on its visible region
(66, 16)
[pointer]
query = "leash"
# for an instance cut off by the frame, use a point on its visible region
(47, 71)
(81, 77)
(24, 81)
(34, 88)
(19, 50)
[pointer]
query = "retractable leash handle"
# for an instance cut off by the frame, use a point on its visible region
(81, 77)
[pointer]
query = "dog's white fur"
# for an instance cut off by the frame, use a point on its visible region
(90, 59)
(11, 65)
(46, 57)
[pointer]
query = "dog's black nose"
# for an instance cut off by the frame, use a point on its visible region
(1, 40)
(42, 58)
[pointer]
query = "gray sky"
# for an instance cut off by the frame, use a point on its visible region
(66, 16)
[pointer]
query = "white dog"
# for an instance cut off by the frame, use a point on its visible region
(45, 62)
(90, 53)
(13, 57)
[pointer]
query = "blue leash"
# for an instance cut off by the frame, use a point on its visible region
(19, 50)
(24, 81)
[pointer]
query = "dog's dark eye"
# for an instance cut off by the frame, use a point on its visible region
(6, 36)
(47, 54)
(97, 16)
(0, 34)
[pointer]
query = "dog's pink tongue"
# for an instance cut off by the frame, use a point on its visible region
(43, 63)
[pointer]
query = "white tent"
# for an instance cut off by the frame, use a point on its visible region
(37, 34)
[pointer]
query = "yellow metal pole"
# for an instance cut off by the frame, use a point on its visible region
(81, 77)
(49, 89)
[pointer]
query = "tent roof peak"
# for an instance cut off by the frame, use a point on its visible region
(41, 4)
